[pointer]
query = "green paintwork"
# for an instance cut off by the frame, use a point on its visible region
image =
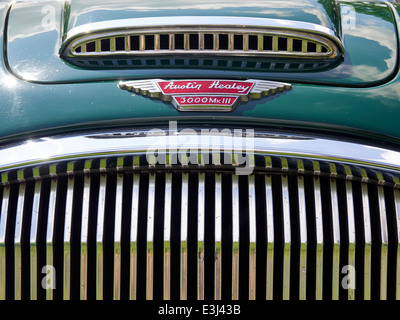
(353, 105)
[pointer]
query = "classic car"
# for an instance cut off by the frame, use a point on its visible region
(199, 150)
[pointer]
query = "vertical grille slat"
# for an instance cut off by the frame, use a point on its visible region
(167, 236)
(84, 234)
(33, 240)
(67, 239)
(397, 210)
(384, 244)
(351, 232)
(252, 236)
(184, 236)
(200, 236)
(235, 237)
(336, 236)
(100, 233)
(18, 242)
(286, 237)
(150, 237)
(117, 236)
(367, 241)
(50, 235)
(218, 238)
(133, 238)
(3, 226)
(319, 235)
(270, 237)
(303, 238)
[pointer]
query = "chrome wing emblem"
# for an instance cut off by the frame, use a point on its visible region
(204, 95)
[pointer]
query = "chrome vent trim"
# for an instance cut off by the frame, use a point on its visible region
(215, 36)
(305, 216)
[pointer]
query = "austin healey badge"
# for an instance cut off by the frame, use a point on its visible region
(204, 95)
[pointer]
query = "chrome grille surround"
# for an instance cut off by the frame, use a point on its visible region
(206, 36)
(310, 207)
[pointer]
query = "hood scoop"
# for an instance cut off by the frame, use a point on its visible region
(125, 43)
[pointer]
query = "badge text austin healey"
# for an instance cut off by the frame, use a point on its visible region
(204, 95)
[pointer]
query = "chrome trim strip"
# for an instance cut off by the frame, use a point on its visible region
(50, 230)
(252, 237)
(167, 236)
(34, 238)
(235, 237)
(94, 145)
(270, 237)
(200, 235)
(133, 237)
(184, 236)
(117, 236)
(100, 232)
(67, 238)
(218, 238)
(18, 241)
(150, 237)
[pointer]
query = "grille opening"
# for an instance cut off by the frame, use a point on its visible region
(297, 45)
(208, 41)
(282, 44)
(311, 47)
(119, 43)
(223, 42)
(90, 47)
(135, 43)
(78, 49)
(164, 42)
(194, 41)
(238, 42)
(149, 42)
(267, 43)
(179, 42)
(253, 42)
(105, 45)
(324, 49)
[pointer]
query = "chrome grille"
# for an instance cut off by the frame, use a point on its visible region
(114, 228)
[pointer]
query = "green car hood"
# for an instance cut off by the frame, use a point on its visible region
(370, 57)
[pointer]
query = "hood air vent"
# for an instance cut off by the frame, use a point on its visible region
(205, 36)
